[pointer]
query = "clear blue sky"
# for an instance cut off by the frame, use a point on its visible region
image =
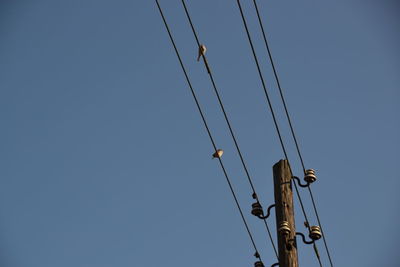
(104, 160)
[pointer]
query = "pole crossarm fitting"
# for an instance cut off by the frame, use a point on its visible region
(257, 210)
(299, 182)
(309, 177)
(304, 239)
(315, 234)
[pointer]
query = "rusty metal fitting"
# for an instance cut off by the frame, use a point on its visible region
(258, 264)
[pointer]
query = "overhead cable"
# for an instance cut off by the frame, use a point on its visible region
(208, 130)
(227, 121)
(290, 123)
(271, 109)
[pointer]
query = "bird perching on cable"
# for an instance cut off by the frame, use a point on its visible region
(218, 153)
(202, 51)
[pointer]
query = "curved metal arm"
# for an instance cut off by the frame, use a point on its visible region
(299, 182)
(268, 212)
(275, 264)
(304, 239)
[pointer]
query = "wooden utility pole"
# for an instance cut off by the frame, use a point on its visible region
(285, 215)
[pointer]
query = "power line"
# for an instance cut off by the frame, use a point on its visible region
(278, 83)
(262, 80)
(271, 108)
(208, 130)
(290, 124)
(227, 121)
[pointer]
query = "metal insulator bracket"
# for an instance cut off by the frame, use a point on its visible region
(304, 239)
(299, 182)
(309, 177)
(315, 234)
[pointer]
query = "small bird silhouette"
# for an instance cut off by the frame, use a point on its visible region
(218, 153)
(202, 51)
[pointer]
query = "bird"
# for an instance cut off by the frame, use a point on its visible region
(202, 51)
(218, 153)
